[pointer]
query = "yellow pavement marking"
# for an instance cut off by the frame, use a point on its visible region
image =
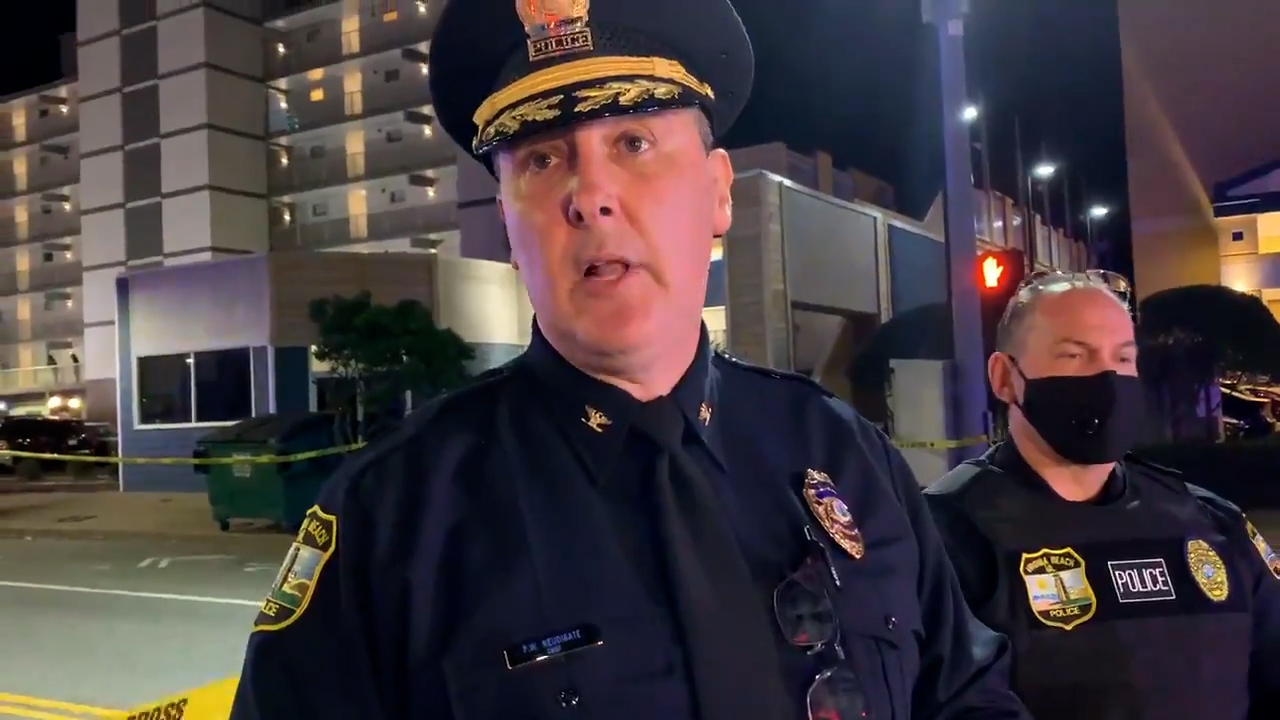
(21, 706)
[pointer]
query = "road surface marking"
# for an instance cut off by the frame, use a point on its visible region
(13, 701)
(130, 593)
(164, 562)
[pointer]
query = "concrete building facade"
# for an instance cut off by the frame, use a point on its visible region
(1198, 112)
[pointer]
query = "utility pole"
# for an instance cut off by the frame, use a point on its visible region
(1024, 199)
(969, 394)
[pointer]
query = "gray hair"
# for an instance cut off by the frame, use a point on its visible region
(1022, 305)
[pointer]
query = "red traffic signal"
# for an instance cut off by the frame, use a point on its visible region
(1000, 272)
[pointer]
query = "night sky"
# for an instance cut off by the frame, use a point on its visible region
(859, 78)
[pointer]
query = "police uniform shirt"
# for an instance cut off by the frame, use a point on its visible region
(1157, 599)
(484, 562)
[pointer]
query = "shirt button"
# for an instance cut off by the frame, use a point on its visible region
(568, 698)
(890, 622)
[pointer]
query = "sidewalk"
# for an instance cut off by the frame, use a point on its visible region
(81, 515)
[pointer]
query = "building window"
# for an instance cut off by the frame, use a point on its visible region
(395, 135)
(397, 196)
(391, 75)
(315, 152)
(317, 94)
(203, 387)
(319, 210)
(313, 35)
(42, 112)
(1237, 235)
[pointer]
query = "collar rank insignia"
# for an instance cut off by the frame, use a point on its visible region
(1269, 556)
(555, 27)
(832, 513)
(296, 581)
(1058, 587)
(1208, 570)
(595, 419)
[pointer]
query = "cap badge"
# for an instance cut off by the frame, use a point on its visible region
(555, 27)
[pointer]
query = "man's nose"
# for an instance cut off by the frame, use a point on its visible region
(594, 195)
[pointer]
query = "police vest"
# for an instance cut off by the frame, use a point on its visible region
(1132, 611)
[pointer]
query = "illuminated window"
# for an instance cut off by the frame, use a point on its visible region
(317, 94)
(390, 16)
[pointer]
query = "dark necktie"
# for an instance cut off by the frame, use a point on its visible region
(726, 629)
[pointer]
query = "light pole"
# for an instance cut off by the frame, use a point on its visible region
(1096, 214)
(1043, 171)
(969, 395)
(971, 115)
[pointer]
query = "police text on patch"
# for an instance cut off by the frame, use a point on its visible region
(1141, 580)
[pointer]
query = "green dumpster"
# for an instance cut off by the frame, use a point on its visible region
(279, 492)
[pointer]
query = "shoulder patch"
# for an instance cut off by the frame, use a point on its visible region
(295, 583)
(1269, 556)
(773, 373)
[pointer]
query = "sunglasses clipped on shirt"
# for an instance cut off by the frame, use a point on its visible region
(807, 616)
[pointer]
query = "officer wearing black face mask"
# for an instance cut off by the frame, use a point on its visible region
(1128, 594)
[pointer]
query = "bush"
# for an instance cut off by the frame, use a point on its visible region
(1246, 473)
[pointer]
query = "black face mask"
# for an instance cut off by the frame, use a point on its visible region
(1087, 419)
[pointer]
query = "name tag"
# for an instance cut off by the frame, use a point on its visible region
(1141, 580)
(553, 645)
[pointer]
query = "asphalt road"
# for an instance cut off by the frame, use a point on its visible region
(111, 624)
(96, 625)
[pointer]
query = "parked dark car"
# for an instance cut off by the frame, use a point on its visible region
(54, 436)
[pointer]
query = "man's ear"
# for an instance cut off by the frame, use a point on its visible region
(1000, 375)
(721, 169)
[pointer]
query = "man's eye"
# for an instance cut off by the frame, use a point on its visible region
(539, 161)
(635, 144)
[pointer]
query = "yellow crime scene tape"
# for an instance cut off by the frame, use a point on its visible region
(940, 444)
(233, 460)
(208, 702)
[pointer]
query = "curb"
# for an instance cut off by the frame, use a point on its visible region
(47, 533)
(39, 487)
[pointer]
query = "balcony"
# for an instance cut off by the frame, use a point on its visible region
(38, 129)
(320, 44)
(41, 178)
(49, 276)
(47, 326)
(39, 227)
(46, 378)
(306, 173)
(301, 113)
(416, 220)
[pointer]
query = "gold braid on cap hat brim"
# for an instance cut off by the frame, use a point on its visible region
(525, 100)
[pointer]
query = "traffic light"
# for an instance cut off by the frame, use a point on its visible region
(999, 275)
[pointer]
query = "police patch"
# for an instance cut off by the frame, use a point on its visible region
(296, 581)
(1058, 588)
(1264, 549)
(1208, 570)
(832, 513)
(1141, 580)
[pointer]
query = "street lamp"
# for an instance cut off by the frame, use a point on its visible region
(969, 113)
(1044, 170)
(1097, 213)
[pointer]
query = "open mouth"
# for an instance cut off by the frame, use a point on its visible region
(607, 270)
